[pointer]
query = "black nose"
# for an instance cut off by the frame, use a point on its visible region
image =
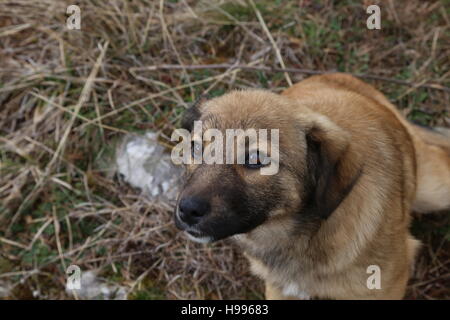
(192, 209)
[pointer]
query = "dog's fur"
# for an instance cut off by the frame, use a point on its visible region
(351, 171)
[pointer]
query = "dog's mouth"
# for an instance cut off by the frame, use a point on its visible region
(195, 233)
(199, 237)
(191, 232)
(212, 230)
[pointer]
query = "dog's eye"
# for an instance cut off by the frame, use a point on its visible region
(196, 149)
(255, 160)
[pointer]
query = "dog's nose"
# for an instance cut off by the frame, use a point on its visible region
(192, 209)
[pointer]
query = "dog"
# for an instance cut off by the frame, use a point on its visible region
(351, 170)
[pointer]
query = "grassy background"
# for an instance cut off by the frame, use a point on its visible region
(68, 96)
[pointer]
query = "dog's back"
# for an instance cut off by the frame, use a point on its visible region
(432, 147)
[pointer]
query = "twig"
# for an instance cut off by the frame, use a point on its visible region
(14, 29)
(269, 35)
(58, 239)
(12, 243)
(166, 33)
(237, 22)
(291, 70)
(82, 99)
(59, 150)
(153, 95)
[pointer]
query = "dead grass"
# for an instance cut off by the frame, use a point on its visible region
(67, 96)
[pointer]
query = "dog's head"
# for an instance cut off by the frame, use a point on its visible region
(221, 200)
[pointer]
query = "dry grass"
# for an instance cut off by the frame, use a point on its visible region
(67, 97)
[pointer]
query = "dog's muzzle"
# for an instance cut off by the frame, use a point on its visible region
(189, 214)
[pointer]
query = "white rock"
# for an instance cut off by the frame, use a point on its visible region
(94, 288)
(146, 165)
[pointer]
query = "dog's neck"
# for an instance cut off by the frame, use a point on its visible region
(275, 242)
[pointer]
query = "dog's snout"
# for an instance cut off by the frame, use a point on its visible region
(192, 209)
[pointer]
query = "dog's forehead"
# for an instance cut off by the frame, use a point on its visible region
(223, 121)
(255, 109)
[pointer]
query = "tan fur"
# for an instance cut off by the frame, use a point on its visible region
(404, 169)
(388, 166)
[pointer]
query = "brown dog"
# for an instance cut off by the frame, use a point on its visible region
(351, 169)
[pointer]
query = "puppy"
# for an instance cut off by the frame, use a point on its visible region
(337, 212)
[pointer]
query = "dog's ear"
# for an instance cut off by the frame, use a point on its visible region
(331, 172)
(193, 113)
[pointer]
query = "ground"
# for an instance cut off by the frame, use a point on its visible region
(68, 96)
